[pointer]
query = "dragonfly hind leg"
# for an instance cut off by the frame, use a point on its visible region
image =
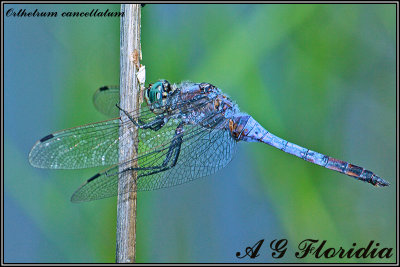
(171, 156)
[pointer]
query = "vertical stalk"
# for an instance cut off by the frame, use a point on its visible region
(129, 100)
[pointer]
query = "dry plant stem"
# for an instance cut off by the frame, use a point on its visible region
(128, 146)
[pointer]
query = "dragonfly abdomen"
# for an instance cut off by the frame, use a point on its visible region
(244, 127)
(355, 171)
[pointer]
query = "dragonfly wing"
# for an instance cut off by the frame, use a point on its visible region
(81, 147)
(203, 152)
(105, 98)
(97, 144)
(201, 155)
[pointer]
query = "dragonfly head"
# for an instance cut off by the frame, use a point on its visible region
(156, 95)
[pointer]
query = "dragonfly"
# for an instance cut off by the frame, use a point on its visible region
(185, 131)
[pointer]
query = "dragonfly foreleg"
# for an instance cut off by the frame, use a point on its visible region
(154, 125)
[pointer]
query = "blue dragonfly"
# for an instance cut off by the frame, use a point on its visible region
(185, 131)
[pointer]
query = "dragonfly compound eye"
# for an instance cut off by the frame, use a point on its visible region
(155, 93)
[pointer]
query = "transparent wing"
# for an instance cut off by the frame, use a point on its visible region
(97, 144)
(81, 147)
(203, 152)
(105, 98)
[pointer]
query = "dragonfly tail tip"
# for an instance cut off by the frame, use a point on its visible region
(379, 182)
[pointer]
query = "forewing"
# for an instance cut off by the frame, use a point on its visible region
(97, 144)
(81, 147)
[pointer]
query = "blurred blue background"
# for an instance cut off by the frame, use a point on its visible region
(321, 76)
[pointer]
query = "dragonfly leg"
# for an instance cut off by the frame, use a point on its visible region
(154, 125)
(171, 157)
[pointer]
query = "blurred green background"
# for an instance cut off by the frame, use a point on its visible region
(321, 76)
